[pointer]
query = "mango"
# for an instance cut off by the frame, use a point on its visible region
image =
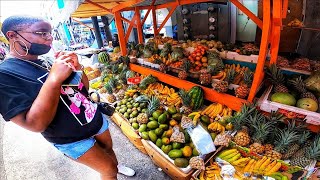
(172, 110)
(152, 136)
(152, 125)
(164, 126)
(175, 153)
(181, 162)
(159, 143)
(176, 145)
(143, 128)
(187, 151)
(158, 131)
(177, 116)
(145, 135)
(162, 118)
(166, 148)
(165, 141)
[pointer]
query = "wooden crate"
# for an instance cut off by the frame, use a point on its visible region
(134, 138)
(117, 118)
(170, 169)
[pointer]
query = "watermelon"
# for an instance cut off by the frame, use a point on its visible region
(103, 57)
(196, 95)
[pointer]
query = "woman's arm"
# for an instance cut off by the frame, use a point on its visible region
(44, 107)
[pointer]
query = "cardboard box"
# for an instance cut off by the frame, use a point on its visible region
(290, 111)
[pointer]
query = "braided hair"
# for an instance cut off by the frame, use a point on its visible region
(18, 23)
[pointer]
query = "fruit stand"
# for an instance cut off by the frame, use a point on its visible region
(165, 89)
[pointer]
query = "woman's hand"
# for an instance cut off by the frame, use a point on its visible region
(74, 59)
(61, 69)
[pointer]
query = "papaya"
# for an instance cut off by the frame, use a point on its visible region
(181, 162)
(175, 153)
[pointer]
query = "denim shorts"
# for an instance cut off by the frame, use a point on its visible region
(76, 149)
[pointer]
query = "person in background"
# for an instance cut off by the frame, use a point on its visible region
(32, 96)
(115, 41)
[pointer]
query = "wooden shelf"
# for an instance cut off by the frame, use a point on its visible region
(303, 28)
(209, 94)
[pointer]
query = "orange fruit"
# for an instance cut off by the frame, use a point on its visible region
(187, 151)
(204, 59)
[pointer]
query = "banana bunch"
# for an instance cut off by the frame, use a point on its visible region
(221, 76)
(211, 172)
(174, 99)
(217, 109)
(195, 116)
(130, 92)
(239, 72)
(230, 155)
(216, 127)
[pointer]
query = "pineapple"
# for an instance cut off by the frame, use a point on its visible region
(277, 79)
(296, 146)
(186, 100)
(113, 83)
(303, 150)
(268, 147)
(284, 138)
(312, 154)
(261, 129)
(110, 97)
(242, 137)
(205, 77)
(153, 105)
(163, 68)
(222, 86)
(184, 73)
(243, 90)
(301, 88)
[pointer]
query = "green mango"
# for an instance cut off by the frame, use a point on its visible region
(177, 116)
(176, 145)
(166, 148)
(145, 135)
(162, 118)
(152, 136)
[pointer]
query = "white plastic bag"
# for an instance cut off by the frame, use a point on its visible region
(201, 140)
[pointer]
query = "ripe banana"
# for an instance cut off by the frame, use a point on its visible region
(259, 163)
(248, 166)
(274, 169)
(264, 165)
(196, 119)
(204, 112)
(270, 166)
(234, 158)
(241, 161)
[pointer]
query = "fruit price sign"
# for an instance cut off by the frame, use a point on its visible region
(134, 80)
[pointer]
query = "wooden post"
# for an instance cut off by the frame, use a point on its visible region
(139, 26)
(122, 42)
(154, 21)
(105, 21)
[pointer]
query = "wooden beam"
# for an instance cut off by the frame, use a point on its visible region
(83, 24)
(147, 14)
(166, 19)
(154, 21)
(285, 9)
(209, 94)
(119, 25)
(127, 21)
(259, 73)
(245, 10)
(132, 23)
(126, 4)
(139, 26)
(98, 5)
(276, 30)
(167, 5)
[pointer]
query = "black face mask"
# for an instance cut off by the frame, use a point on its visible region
(35, 48)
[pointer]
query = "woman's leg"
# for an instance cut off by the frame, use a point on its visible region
(105, 141)
(97, 159)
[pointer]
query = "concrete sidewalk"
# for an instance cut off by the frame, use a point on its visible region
(27, 156)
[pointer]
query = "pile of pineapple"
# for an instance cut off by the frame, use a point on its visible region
(271, 137)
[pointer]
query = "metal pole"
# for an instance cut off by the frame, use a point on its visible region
(97, 31)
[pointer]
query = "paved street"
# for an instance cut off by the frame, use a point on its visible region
(27, 156)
